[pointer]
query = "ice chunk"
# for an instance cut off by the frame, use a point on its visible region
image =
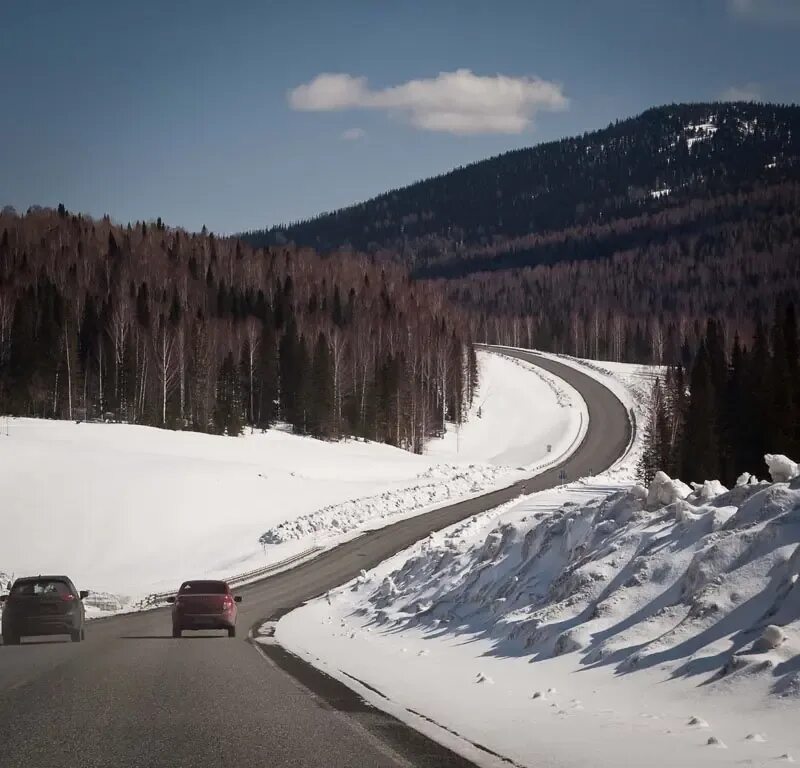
(664, 490)
(781, 468)
(708, 490)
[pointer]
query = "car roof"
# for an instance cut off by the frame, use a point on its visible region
(43, 577)
(204, 581)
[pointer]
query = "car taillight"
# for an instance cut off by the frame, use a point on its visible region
(227, 602)
(68, 598)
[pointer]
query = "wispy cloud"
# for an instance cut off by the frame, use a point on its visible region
(459, 102)
(746, 92)
(353, 134)
(771, 11)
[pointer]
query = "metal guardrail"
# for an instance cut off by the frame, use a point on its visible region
(238, 579)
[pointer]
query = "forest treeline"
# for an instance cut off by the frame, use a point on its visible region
(151, 325)
(729, 257)
(718, 417)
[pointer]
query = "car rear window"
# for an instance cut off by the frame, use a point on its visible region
(204, 588)
(40, 588)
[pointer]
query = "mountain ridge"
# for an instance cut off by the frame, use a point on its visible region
(653, 161)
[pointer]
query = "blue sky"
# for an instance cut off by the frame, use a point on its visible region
(188, 110)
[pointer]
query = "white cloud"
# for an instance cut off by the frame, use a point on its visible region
(459, 102)
(328, 92)
(353, 134)
(747, 92)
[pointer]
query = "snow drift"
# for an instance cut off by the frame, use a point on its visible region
(679, 606)
(623, 581)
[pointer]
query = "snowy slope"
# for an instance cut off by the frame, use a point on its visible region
(588, 626)
(129, 510)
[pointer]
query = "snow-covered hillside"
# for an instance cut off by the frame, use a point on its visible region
(590, 625)
(129, 510)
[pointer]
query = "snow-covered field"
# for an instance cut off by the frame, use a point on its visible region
(130, 510)
(591, 625)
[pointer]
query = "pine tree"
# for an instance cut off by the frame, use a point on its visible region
(473, 374)
(755, 440)
(735, 433)
(700, 457)
(320, 418)
(793, 363)
(780, 429)
(266, 377)
(676, 407)
(143, 305)
(337, 314)
(289, 381)
(229, 410)
(302, 375)
(655, 454)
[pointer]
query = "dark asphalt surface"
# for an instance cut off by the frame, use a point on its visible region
(131, 696)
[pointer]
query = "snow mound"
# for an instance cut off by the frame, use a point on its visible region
(618, 580)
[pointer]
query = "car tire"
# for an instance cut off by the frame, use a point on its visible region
(83, 634)
(76, 636)
(9, 639)
(231, 631)
(177, 632)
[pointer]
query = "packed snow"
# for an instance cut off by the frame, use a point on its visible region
(128, 510)
(599, 624)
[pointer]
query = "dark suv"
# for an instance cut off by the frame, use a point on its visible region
(43, 605)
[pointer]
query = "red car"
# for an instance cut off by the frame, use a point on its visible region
(204, 605)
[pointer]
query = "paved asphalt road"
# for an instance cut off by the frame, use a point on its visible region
(131, 696)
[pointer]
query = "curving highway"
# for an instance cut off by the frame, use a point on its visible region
(131, 696)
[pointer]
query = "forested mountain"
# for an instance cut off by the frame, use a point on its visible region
(618, 243)
(152, 325)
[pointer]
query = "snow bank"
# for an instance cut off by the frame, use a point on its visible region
(436, 486)
(681, 599)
